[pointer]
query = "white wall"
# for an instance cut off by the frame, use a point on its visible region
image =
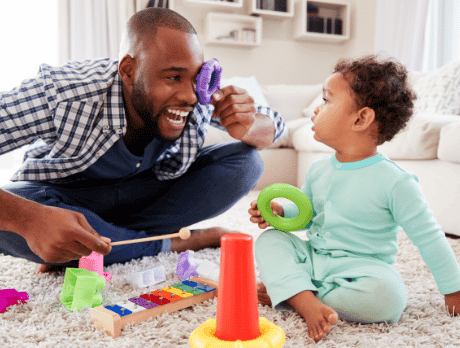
(284, 59)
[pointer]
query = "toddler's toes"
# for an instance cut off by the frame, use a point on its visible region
(316, 333)
(330, 315)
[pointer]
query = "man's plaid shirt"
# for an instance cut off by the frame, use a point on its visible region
(74, 114)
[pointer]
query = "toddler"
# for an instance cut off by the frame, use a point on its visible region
(360, 199)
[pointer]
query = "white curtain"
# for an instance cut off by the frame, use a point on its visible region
(442, 41)
(400, 31)
(93, 28)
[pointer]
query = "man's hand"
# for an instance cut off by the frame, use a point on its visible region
(258, 219)
(60, 235)
(236, 110)
(452, 302)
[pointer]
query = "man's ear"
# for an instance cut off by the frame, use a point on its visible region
(366, 117)
(126, 68)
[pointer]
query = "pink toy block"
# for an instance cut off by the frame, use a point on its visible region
(9, 297)
(94, 263)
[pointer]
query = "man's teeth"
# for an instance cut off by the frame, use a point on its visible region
(179, 117)
(178, 112)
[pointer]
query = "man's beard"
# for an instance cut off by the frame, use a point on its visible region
(146, 111)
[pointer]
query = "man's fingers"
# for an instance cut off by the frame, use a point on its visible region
(91, 239)
(222, 93)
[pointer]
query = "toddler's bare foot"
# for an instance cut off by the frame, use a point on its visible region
(317, 315)
(262, 295)
(199, 239)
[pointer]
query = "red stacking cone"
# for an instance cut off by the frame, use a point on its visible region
(237, 311)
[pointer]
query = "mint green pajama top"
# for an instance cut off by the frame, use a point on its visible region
(358, 208)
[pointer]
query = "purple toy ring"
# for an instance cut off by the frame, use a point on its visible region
(208, 81)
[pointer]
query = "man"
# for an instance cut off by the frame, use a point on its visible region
(117, 150)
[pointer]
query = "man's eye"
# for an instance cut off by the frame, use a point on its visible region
(175, 78)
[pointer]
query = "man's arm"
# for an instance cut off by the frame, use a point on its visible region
(54, 234)
(243, 121)
(262, 132)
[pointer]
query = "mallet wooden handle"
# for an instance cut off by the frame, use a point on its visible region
(184, 233)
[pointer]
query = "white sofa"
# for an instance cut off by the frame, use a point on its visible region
(429, 146)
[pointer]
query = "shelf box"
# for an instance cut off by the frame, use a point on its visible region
(328, 21)
(274, 9)
(215, 3)
(230, 29)
(142, 4)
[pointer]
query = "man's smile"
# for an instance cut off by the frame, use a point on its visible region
(176, 117)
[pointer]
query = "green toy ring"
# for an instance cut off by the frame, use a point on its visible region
(294, 195)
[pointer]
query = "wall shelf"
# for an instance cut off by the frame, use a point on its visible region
(217, 4)
(231, 29)
(327, 21)
(142, 4)
(274, 9)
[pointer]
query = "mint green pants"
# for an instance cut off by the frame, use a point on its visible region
(359, 289)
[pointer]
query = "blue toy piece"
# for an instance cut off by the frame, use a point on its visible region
(294, 195)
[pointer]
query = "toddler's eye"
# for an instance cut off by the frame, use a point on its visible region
(325, 101)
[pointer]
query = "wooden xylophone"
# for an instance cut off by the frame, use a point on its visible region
(113, 318)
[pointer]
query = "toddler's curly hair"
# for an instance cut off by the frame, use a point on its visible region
(382, 86)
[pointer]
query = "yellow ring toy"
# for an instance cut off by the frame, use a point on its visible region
(271, 337)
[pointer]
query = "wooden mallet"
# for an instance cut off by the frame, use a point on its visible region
(184, 233)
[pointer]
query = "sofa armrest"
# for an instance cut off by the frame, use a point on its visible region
(449, 142)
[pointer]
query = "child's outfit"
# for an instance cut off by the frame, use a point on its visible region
(358, 208)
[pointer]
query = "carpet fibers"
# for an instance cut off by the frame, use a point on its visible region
(45, 322)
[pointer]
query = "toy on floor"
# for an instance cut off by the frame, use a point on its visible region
(294, 195)
(10, 297)
(178, 296)
(79, 288)
(188, 265)
(237, 322)
(94, 263)
(184, 233)
(147, 277)
(208, 81)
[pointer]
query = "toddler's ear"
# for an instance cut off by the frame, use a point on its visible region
(366, 117)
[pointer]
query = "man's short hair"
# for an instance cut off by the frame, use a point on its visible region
(147, 22)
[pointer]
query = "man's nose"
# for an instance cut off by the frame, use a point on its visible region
(188, 95)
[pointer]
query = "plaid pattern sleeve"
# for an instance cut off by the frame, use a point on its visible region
(25, 114)
(60, 113)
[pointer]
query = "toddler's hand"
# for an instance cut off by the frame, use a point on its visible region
(258, 219)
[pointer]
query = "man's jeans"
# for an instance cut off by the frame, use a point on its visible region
(142, 206)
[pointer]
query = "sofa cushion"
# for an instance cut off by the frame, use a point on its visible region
(302, 139)
(290, 100)
(309, 111)
(292, 126)
(449, 143)
(419, 140)
(250, 84)
(439, 91)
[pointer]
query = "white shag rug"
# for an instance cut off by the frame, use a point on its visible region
(45, 322)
